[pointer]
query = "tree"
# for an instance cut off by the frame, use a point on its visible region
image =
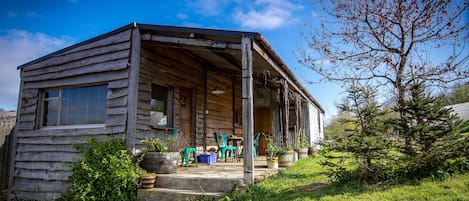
(368, 142)
(433, 129)
(388, 42)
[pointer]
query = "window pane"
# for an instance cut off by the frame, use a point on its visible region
(51, 112)
(52, 93)
(82, 105)
(159, 105)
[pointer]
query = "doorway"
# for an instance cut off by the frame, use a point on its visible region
(186, 115)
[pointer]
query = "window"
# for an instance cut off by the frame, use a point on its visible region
(75, 106)
(161, 105)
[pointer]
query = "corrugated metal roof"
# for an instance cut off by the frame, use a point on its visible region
(461, 109)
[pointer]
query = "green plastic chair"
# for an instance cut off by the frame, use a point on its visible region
(185, 153)
(223, 146)
(255, 143)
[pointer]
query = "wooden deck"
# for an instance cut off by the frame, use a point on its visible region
(204, 181)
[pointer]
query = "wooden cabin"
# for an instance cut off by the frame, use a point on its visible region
(142, 81)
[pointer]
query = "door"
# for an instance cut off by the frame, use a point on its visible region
(186, 115)
(262, 123)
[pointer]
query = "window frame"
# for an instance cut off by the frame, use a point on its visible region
(42, 109)
(169, 105)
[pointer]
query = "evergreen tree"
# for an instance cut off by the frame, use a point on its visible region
(368, 143)
(433, 131)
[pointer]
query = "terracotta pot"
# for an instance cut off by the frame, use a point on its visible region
(148, 181)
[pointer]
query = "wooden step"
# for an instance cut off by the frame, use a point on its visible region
(225, 185)
(166, 194)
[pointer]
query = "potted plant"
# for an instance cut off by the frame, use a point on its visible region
(158, 157)
(147, 180)
(301, 143)
(285, 157)
(272, 159)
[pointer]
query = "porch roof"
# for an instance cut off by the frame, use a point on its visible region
(221, 48)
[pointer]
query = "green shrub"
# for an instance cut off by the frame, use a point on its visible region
(104, 172)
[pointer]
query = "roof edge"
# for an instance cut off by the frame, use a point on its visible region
(96, 38)
(288, 71)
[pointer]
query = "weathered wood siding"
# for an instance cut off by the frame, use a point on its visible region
(43, 156)
(172, 68)
(177, 68)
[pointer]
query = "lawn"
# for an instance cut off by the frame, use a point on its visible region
(305, 181)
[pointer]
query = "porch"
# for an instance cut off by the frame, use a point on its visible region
(204, 181)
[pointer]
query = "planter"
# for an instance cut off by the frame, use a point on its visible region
(312, 150)
(302, 152)
(160, 162)
(148, 181)
(272, 163)
(285, 159)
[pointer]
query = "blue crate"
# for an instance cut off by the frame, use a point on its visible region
(210, 159)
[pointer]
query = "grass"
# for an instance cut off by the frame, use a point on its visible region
(305, 181)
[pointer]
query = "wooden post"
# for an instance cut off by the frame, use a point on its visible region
(285, 103)
(248, 119)
(14, 139)
(205, 107)
(133, 90)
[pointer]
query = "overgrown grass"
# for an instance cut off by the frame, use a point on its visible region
(306, 180)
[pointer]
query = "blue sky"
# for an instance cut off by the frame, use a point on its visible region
(31, 29)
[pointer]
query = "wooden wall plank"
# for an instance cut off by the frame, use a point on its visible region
(54, 166)
(85, 79)
(47, 156)
(94, 68)
(38, 185)
(76, 56)
(95, 59)
(49, 175)
(114, 39)
(46, 147)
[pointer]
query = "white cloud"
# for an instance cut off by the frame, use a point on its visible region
(207, 7)
(18, 47)
(266, 14)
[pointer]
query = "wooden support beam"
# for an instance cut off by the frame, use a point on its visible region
(248, 117)
(192, 41)
(205, 106)
(285, 112)
(133, 90)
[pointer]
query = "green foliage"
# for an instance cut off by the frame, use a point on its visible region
(305, 180)
(339, 127)
(155, 145)
(458, 95)
(433, 131)
(367, 143)
(272, 149)
(104, 172)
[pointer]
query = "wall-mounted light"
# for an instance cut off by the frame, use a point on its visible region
(218, 90)
(183, 101)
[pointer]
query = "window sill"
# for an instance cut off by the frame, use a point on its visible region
(74, 126)
(162, 127)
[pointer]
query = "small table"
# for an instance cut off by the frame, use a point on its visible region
(236, 141)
